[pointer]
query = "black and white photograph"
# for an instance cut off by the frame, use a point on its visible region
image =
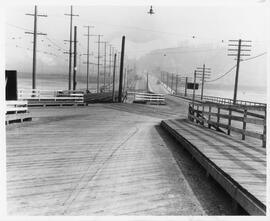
(137, 109)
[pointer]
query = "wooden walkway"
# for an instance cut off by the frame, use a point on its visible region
(238, 166)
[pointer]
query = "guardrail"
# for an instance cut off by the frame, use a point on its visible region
(147, 97)
(17, 111)
(221, 100)
(49, 95)
(213, 113)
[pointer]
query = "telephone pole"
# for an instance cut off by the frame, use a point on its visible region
(70, 46)
(75, 59)
(87, 54)
(203, 73)
(240, 48)
(35, 33)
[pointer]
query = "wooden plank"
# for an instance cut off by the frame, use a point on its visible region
(254, 203)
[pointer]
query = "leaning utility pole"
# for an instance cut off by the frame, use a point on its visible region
(121, 70)
(113, 89)
(203, 73)
(87, 54)
(70, 47)
(75, 59)
(35, 45)
(240, 47)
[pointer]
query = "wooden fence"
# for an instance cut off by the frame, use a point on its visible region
(221, 116)
(147, 97)
(49, 95)
(221, 100)
(17, 111)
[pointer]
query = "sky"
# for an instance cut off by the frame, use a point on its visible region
(171, 26)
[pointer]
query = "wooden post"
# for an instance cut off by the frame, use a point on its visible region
(202, 81)
(209, 117)
(244, 124)
(229, 122)
(186, 86)
(264, 129)
(218, 116)
(121, 70)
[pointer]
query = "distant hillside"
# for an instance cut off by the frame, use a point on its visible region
(184, 60)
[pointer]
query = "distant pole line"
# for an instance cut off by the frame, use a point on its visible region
(70, 46)
(105, 48)
(35, 33)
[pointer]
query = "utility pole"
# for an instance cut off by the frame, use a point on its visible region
(87, 54)
(240, 47)
(98, 64)
(75, 59)
(35, 33)
(70, 46)
(193, 95)
(114, 66)
(203, 73)
(121, 70)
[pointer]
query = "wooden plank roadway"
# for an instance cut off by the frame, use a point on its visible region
(93, 161)
(239, 166)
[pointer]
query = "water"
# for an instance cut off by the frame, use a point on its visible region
(256, 94)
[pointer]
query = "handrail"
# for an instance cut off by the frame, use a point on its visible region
(206, 113)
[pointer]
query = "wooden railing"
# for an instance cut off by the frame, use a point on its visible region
(16, 111)
(147, 97)
(232, 118)
(40, 95)
(221, 100)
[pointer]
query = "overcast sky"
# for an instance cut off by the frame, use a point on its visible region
(170, 26)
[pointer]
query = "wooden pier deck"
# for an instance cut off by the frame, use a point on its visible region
(94, 160)
(238, 166)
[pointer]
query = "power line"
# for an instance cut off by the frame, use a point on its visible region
(227, 72)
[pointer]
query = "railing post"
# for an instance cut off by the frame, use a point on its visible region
(229, 122)
(218, 116)
(264, 129)
(244, 124)
(209, 117)
(202, 113)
